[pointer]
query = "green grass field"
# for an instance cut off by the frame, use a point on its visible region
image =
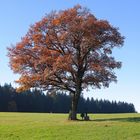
(41, 126)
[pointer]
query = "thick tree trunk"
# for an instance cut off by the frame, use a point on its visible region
(74, 105)
(76, 96)
(73, 110)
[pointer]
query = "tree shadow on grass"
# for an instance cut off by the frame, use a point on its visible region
(129, 119)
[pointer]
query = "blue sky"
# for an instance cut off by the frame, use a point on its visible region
(17, 15)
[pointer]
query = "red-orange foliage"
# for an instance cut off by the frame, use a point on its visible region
(67, 50)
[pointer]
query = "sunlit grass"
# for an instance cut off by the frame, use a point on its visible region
(43, 126)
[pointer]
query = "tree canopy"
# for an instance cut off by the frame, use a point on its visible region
(68, 51)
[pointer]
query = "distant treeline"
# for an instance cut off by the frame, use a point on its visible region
(37, 101)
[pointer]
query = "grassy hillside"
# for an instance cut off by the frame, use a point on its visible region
(36, 126)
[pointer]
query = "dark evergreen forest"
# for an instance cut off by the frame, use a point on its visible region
(37, 101)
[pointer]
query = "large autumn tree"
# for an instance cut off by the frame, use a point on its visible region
(67, 51)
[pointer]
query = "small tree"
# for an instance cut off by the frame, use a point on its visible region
(67, 51)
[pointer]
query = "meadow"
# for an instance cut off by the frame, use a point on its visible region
(43, 126)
